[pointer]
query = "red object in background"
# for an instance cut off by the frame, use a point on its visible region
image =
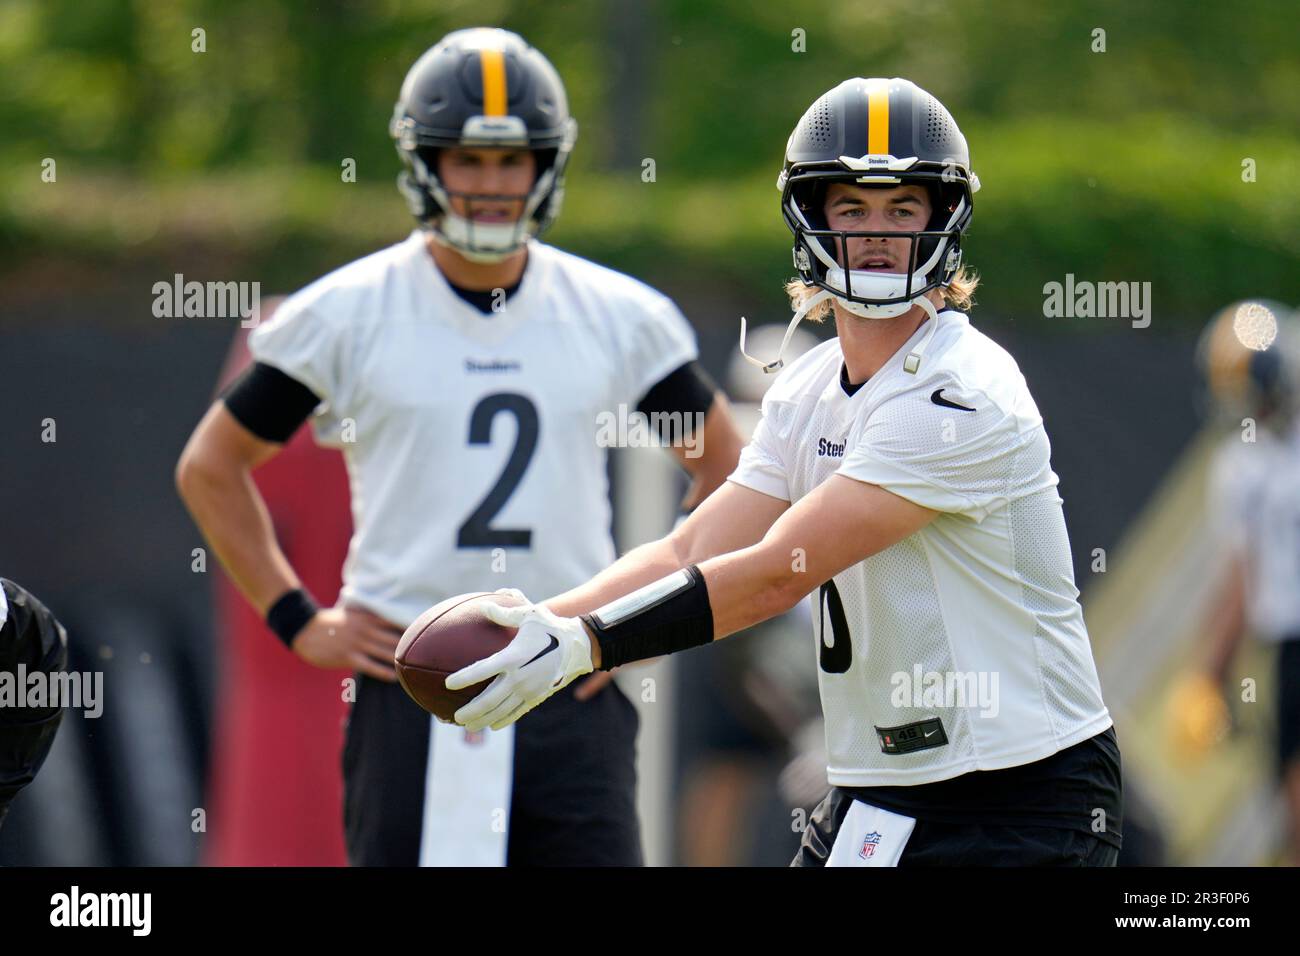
(275, 796)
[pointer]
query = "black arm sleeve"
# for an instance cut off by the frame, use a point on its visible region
(688, 390)
(269, 403)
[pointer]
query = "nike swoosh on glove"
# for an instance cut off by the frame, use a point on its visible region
(546, 654)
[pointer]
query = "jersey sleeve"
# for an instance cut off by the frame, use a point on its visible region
(966, 461)
(306, 345)
(762, 462)
(687, 390)
(661, 341)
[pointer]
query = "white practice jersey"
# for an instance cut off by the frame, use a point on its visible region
(1255, 512)
(473, 442)
(963, 646)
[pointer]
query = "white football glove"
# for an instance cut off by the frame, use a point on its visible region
(548, 652)
(518, 595)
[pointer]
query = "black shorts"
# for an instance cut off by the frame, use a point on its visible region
(1288, 704)
(932, 843)
(573, 801)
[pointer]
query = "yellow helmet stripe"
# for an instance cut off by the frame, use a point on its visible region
(494, 82)
(878, 119)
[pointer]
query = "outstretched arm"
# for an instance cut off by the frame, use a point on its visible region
(731, 518)
(839, 524)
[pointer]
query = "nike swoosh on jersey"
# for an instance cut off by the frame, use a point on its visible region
(938, 399)
(554, 645)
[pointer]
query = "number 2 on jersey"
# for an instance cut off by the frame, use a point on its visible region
(477, 531)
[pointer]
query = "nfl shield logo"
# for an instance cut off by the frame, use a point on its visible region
(869, 844)
(474, 737)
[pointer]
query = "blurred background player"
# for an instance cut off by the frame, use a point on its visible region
(465, 373)
(1250, 365)
(30, 636)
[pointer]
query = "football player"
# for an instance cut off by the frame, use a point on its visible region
(901, 475)
(1249, 358)
(467, 374)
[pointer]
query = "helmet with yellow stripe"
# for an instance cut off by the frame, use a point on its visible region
(482, 88)
(886, 133)
(874, 133)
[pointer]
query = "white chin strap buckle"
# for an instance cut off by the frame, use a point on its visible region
(912, 363)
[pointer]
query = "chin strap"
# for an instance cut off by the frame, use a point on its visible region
(911, 364)
(913, 361)
(772, 366)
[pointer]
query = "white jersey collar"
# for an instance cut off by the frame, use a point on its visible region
(463, 316)
(894, 364)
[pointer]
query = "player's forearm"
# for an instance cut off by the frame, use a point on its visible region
(750, 586)
(233, 518)
(637, 568)
(692, 606)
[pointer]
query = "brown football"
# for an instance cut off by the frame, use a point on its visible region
(445, 638)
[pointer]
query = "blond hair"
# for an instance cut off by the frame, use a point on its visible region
(959, 294)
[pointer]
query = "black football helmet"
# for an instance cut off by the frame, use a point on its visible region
(482, 87)
(875, 132)
(882, 132)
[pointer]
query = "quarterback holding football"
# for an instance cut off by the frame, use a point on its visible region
(900, 476)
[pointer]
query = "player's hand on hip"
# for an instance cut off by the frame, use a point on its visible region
(350, 638)
(546, 654)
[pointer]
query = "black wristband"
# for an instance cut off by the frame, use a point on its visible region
(668, 615)
(290, 614)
